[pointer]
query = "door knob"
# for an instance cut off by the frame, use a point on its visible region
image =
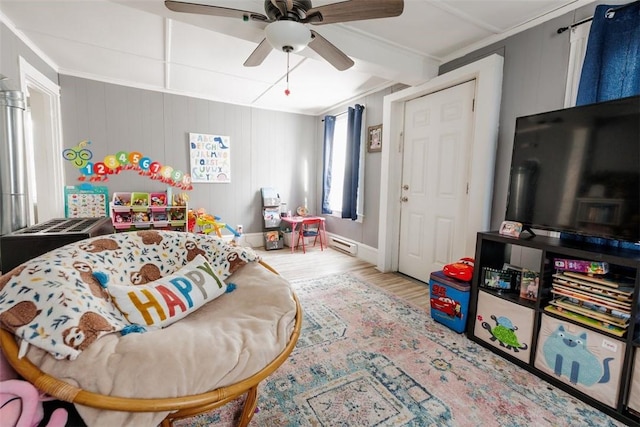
(405, 187)
(404, 199)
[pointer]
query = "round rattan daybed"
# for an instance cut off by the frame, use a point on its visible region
(185, 406)
(215, 354)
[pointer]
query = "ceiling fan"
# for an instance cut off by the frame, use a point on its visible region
(284, 24)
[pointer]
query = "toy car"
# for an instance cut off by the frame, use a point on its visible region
(447, 305)
(461, 270)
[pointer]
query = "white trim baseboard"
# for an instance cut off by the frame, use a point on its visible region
(365, 252)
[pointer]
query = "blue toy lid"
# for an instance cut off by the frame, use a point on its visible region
(440, 277)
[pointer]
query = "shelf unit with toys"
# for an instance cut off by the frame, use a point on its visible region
(578, 327)
(273, 236)
(142, 211)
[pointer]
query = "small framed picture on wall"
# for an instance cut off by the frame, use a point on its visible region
(374, 140)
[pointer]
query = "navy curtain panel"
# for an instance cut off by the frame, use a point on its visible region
(327, 161)
(352, 163)
(611, 67)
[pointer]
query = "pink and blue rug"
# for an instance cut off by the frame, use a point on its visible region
(368, 358)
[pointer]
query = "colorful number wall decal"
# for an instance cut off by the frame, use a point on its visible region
(79, 156)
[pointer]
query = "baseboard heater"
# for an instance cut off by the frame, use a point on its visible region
(348, 248)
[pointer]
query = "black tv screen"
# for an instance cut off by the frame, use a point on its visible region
(577, 170)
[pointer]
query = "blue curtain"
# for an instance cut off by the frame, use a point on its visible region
(352, 163)
(611, 70)
(611, 67)
(329, 129)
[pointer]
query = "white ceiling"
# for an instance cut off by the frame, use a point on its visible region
(141, 43)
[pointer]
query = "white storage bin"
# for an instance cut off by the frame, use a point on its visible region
(586, 360)
(634, 395)
(505, 325)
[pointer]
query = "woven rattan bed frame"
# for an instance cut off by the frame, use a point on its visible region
(182, 407)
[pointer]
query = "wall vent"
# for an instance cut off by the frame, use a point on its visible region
(348, 248)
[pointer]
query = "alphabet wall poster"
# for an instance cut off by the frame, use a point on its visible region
(210, 158)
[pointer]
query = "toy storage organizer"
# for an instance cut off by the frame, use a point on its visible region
(273, 238)
(579, 332)
(449, 300)
(140, 211)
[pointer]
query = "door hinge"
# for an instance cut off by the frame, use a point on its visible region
(467, 188)
(473, 105)
(401, 142)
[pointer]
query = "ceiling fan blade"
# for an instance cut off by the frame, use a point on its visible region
(205, 9)
(329, 52)
(354, 10)
(259, 54)
(283, 5)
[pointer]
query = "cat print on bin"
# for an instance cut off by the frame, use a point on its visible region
(568, 355)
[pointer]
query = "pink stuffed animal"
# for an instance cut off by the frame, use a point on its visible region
(21, 402)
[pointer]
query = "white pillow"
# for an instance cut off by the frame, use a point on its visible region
(169, 299)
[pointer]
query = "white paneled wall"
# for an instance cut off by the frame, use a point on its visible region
(268, 148)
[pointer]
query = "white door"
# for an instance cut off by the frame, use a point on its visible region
(43, 143)
(435, 180)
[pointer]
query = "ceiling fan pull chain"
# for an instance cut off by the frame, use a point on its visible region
(287, 91)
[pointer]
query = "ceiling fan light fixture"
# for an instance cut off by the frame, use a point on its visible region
(288, 36)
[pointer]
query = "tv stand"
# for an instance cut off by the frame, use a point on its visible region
(529, 230)
(536, 322)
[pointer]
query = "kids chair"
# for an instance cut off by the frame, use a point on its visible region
(311, 227)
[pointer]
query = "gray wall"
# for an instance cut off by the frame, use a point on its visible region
(534, 79)
(11, 48)
(366, 231)
(268, 148)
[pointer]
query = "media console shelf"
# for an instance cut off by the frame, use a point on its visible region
(593, 360)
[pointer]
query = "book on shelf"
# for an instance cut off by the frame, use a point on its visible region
(621, 289)
(586, 296)
(592, 310)
(599, 302)
(586, 320)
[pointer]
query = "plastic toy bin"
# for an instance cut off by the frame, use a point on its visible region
(139, 201)
(158, 201)
(121, 202)
(121, 220)
(449, 301)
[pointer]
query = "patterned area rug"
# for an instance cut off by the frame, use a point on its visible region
(367, 358)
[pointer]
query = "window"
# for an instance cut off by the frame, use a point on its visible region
(342, 164)
(337, 165)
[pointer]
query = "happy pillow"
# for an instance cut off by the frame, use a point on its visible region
(169, 299)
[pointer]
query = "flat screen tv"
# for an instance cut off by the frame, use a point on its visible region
(577, 170)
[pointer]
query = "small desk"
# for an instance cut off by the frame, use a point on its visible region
(295, 220)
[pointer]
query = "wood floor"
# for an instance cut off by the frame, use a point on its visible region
(316, 263)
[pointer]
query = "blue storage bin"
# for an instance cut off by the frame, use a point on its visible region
(449, 301)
